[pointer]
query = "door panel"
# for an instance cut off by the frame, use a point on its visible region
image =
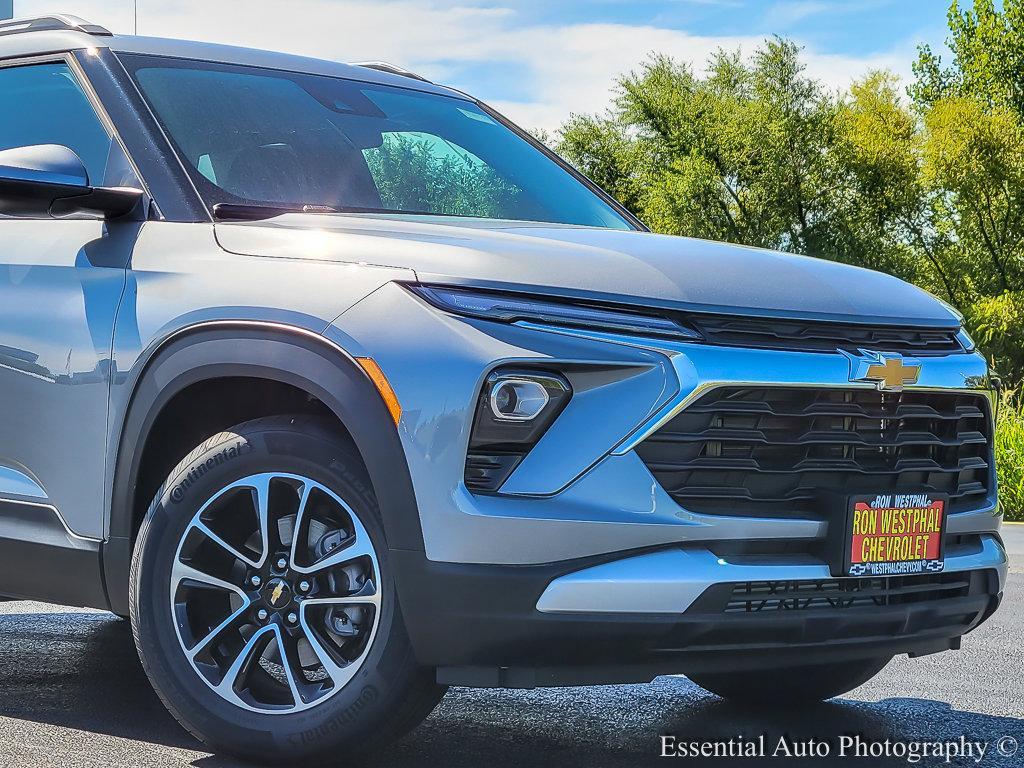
(60, 285)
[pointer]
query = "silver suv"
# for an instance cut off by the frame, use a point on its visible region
(345, 390)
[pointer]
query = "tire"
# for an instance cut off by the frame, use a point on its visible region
(792, 686)
(193, 568)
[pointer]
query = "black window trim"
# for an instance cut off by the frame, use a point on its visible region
(176, 193)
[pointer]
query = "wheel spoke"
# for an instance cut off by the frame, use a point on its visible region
(340, 675)
(358, 545)
(292, 667)
(307, 488)
(183, 572)
(358, 548)
(261, 494)
(198, 648)
(240, 666)
(203, 528)
(368, 594)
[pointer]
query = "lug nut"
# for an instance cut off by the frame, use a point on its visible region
(304, 586)
(282, 563)
(292, 618)
(255, 581)
(262, 614)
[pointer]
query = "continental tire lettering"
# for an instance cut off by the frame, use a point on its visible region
(240, 448)
(347, 716)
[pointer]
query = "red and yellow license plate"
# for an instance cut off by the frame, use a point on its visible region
(894, 534)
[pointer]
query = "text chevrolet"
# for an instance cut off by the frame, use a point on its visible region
(345, 390)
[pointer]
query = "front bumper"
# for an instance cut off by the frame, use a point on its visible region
(669, 612)
(671, 581)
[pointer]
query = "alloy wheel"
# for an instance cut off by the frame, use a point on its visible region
(276, 593)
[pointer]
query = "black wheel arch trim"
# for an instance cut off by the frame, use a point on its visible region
(276, 352)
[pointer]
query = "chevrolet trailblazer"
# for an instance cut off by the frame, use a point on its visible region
(345, 390)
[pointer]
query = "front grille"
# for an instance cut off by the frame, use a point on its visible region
(784, 451)
(822, 336)
(843, 594)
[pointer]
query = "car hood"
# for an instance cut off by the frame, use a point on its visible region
(581, 262)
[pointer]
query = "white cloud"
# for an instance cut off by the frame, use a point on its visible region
(566, 68)
(784, 14)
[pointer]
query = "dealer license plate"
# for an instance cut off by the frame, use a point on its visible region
(895, 534)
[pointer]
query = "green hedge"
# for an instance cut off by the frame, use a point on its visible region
(1010, 457)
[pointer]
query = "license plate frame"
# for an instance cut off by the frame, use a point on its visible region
(902, 523)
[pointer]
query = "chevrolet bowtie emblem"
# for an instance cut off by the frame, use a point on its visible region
(275, 596)
(889, 372)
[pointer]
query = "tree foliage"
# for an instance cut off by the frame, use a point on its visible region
(987, 43)
(422, 173)
(755, 151)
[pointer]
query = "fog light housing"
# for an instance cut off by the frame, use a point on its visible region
(515, 409)
(518, 399)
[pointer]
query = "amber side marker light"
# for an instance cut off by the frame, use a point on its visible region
(380, 381)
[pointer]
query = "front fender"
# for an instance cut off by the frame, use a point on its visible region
(290, 355)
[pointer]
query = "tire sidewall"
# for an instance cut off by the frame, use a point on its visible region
(349, 715)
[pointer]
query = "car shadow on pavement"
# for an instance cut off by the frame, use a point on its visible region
(80, 670)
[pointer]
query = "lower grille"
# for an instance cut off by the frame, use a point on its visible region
(485, 472)
(783, 614)
(842, 594)
(786, 451)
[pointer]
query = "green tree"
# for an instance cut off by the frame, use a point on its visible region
(880, 220)
(737, 155)
(973, 169)
(757, 152)
(604, 150)
(987, 42)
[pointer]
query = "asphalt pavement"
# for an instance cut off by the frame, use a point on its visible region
(72, 693)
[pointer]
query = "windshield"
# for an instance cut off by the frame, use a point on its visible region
(262, 137)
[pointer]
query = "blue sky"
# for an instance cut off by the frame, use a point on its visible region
(855, 26)
(540, 60)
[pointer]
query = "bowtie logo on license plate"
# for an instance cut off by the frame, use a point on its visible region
(889, 372)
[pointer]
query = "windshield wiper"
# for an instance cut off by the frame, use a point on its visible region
(233, 212)
(236, 212)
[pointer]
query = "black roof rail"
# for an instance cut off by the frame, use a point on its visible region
(383, 66)
(56, 21)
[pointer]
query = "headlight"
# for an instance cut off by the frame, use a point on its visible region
(965, 339)
(508, 308)
(962, 336)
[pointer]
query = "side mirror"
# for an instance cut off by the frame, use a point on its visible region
(51, 180)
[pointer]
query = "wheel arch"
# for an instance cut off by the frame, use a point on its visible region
(280, 358)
